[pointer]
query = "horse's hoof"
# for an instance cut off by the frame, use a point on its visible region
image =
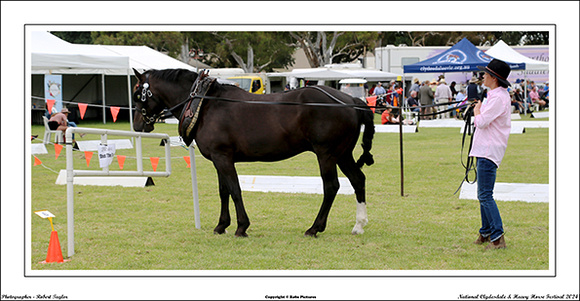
(310, 233)
(242, 234)
(357, 230)
(220, 231)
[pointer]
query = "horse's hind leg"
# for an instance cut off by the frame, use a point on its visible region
(357, 180)
(331, 185)
(230, 185)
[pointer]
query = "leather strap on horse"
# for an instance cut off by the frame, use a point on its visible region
(190, 113)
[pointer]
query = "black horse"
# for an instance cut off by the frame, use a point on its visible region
(230, 128)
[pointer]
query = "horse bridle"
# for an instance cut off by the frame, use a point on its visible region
(145, 92)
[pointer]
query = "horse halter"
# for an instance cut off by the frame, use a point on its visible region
(145, 92)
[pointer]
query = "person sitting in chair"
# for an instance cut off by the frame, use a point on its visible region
(387, 117)
(59, 121)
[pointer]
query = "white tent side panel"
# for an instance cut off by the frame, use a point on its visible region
(504, 52)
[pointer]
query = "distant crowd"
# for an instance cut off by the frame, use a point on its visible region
(526, 97)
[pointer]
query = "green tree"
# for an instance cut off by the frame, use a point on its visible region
(323, 48)
(253, 51)
(75, 37)
(163, 41)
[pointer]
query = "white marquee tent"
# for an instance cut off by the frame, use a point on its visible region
(503, 52)
(52, 55)
(322, 74)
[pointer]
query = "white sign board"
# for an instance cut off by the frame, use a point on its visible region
(106, 155)
(44, 213)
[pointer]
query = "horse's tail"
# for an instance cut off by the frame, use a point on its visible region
(367, 138)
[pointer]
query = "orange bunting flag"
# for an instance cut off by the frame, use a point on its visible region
(372, 101)
(57, 149)
(37, 161)
(115, 112)
(49, 104)
(187, 160)
(82, 109)
(88, 156)
(121, 160)
(154, 162)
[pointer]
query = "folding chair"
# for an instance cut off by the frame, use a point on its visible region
(58, 138)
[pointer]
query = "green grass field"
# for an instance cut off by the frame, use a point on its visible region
(429, 228)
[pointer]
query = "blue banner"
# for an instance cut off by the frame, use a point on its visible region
(462, 57)
(53, 90)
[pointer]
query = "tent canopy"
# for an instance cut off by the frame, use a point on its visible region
(336, 74)
(49, 54)
(144, 58)
(503, 52)
(461, 57)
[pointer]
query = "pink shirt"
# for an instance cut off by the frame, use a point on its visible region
(534, 95)
(60, 118)
(493, 126)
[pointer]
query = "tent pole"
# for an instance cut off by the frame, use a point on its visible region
(103, 93)
(129, 95)
(525, 92)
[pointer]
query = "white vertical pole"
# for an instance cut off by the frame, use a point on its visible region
(129, 94)
(194, 188)
(139, 154)
(70, 195)
(167, 156)
(104, 102)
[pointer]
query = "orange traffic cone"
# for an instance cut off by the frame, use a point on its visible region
(54, 252)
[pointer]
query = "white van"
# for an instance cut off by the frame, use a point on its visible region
(354, 87)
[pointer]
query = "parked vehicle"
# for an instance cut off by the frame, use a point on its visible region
(251, 83)
(354, 87)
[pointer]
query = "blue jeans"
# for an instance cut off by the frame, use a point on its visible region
(491, 224)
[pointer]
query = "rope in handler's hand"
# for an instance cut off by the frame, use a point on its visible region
(469, 129)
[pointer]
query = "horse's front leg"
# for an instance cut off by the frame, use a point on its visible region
(225, 219)
(230, 185)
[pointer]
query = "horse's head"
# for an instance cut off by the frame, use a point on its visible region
(148, 106)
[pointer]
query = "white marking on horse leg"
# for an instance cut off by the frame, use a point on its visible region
(361, 218)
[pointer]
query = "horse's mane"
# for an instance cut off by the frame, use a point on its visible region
(174, 75)
(177, 75)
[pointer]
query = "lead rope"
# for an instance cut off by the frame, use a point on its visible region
(469, 129)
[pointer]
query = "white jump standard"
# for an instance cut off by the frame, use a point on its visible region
(71, 173)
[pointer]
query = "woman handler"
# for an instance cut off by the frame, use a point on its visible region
(493, 125)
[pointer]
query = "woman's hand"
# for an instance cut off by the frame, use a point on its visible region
(477, 108)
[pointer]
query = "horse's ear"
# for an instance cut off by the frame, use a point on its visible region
(137, 74)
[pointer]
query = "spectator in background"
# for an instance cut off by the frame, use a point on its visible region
(518, 100)
(463, 100)
(415, 86)
(425, 99)
(412, 102)
(387, 117)
(390, 94)
(535, 98)
(433, 84)
(473, 89)
(59, 121)
(366, 87)
(372, 90)
(443, 92)
(379, 90)
(546, 95)
(452, 87)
